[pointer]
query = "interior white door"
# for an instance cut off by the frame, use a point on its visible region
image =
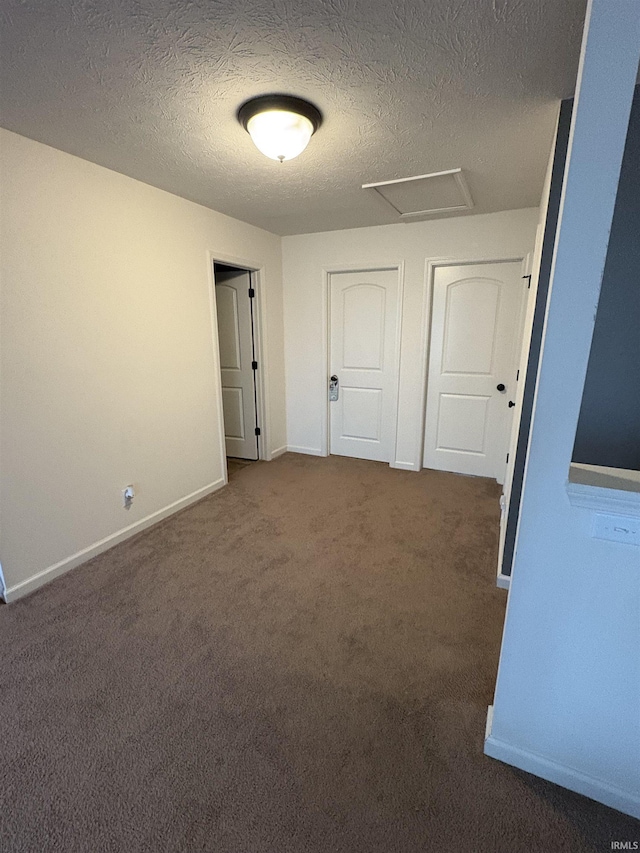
(363, 355)
(475, 334)
(236, 357)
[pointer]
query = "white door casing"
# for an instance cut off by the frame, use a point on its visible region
(522, 355)
(531, 269)
(363, 353)
(236, 355)
(475, 333)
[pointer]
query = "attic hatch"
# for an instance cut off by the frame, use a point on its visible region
(424, 195)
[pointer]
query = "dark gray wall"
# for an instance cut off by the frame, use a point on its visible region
(608, 430)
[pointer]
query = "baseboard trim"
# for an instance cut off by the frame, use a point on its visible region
(405, 466)
(308, 451)
(503, 581)
(13, 593)
(567, 777)
(275, 453)
(489, 723)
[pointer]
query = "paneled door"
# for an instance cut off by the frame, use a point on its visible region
(476, 330)
(363, 363)
(235, 334)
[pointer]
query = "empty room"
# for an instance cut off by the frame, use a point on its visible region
(319, 426)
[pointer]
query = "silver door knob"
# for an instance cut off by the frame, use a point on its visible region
(334, 389)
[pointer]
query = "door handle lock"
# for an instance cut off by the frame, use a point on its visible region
(334, 388)
(511, 404)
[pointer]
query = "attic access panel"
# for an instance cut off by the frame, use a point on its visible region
(422, 195)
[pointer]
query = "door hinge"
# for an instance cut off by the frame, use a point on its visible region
(254, 365)
(528, 277)
(507, 457)
(257, 430)
(252, 293)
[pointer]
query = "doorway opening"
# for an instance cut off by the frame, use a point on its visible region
(235, 290)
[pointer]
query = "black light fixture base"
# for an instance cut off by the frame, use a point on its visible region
(290, 103)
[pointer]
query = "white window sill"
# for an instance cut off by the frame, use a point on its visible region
(605, 489)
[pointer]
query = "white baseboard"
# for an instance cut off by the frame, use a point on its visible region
(309, 451)
(489, 723)
(13, 593)
(503, 581)
(405, 466)
(603, 792)
(280, 450)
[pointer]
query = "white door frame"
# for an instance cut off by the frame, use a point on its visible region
(327, 272)
(431, 265)
(257, 276)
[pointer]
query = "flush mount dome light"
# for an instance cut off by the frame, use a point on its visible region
(280, 125)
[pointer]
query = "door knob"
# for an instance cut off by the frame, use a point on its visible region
(500, 387)
(511, 404)
(334, 389)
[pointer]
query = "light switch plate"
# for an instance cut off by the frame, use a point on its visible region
(617, 528)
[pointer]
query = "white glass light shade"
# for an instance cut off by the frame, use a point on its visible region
(280, 134)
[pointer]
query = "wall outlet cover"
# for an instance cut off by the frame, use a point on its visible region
(617, 528)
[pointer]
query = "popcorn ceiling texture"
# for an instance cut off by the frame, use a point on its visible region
(150, 88)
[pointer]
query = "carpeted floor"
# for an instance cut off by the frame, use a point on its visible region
(236, 466)
(301, 662)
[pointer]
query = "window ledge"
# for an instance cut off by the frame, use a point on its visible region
(606, 489)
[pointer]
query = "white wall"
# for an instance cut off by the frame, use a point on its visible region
(108, 373)
(567, 702)
(489, 236)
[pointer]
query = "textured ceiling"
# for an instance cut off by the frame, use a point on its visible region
(150, 88)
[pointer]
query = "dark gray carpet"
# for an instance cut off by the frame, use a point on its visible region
(300, 662)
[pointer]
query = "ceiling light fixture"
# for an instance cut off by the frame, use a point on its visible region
(280, 125)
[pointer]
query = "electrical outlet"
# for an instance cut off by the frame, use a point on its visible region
(617, 528)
